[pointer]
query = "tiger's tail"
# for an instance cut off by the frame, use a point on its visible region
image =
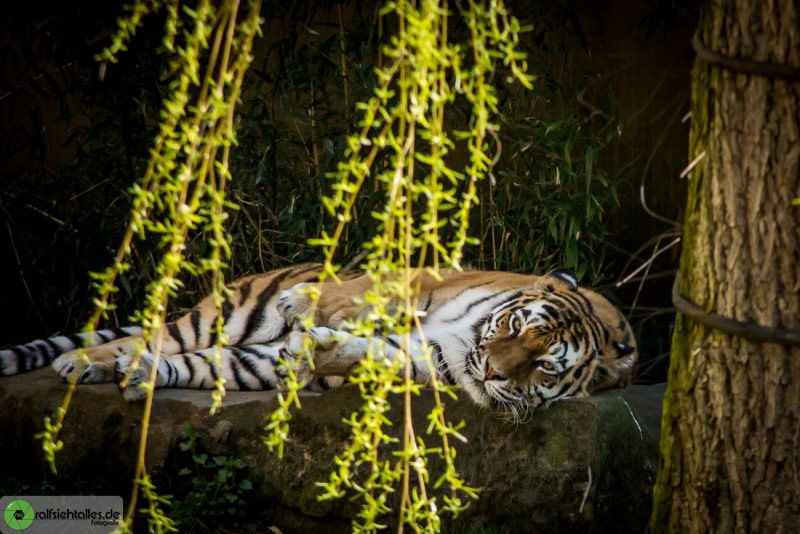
(42, 352)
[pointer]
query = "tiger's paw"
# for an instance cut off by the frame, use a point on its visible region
(295, 358)
(295, 303)
(336, 352)
(296, 355)
(78, 368)
(133, 376)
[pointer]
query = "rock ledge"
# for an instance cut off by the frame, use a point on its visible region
(582, 465)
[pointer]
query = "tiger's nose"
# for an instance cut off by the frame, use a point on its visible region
(492, 373)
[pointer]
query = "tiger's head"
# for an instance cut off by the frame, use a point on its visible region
(550, 341)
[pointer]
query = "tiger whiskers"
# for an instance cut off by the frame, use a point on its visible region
(469, 357)
(516, 413)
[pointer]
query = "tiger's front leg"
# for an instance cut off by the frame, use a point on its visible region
(335, 350)
(337, 353)
(333, 353)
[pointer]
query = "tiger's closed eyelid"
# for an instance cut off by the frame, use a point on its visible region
(549, 368)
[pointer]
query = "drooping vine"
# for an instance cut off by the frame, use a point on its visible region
(403, 127)
(182, 192)
(402, 143)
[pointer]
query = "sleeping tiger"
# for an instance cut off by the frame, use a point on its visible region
(513, 342)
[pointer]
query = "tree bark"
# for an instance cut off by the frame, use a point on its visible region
(731, 425)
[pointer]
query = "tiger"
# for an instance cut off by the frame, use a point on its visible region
(512, 342)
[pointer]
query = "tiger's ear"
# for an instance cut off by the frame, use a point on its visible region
(623, 349)
(615, 366)
(565, 275)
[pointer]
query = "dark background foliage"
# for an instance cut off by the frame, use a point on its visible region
(603, 119)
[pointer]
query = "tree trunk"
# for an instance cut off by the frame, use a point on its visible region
(731, 425)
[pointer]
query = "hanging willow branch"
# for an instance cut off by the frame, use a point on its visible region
(183, 189)
(423, 74)
(182, 193)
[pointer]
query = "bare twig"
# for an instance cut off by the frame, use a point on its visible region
(685, 172)
(343, 65)
(21, 270)
(588, 488)
(655, 254)
(98, 184)
(31, 207)
(649, 163)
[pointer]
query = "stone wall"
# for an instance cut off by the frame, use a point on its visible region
(580, 465)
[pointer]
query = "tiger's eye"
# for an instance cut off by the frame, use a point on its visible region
(547, 366)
